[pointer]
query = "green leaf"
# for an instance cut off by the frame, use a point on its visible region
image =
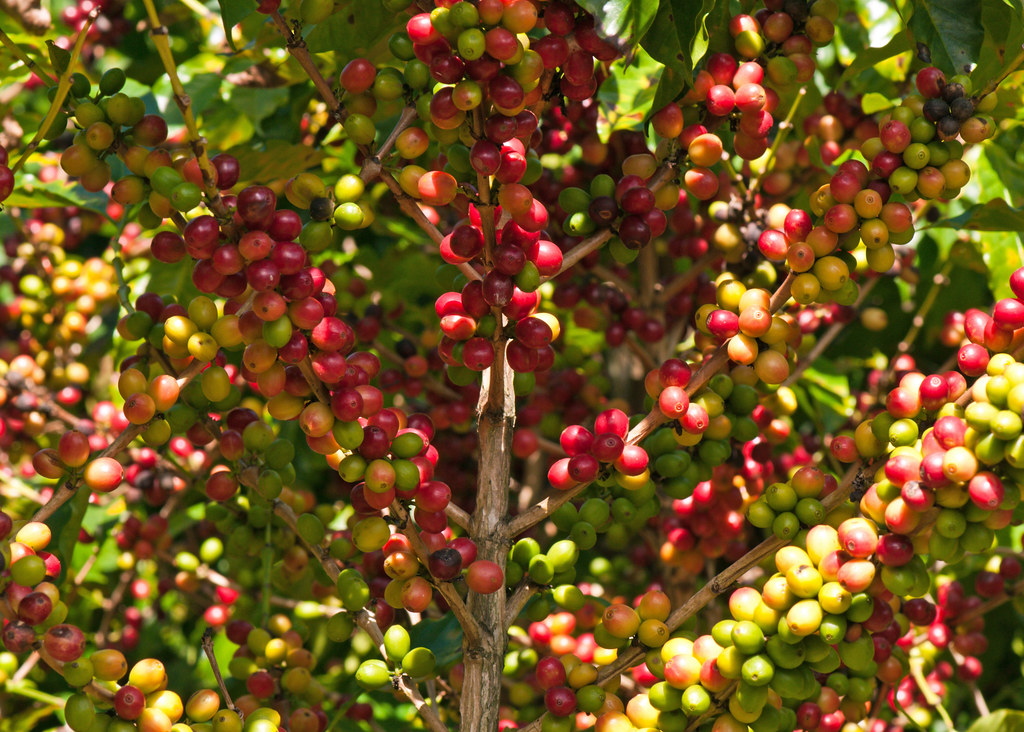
(353, 29)
(34, 193)
(874, 102)
(644, 13)
(678, 38)
(994, 215)
(662, 43)
(203, 89)
(174, 280)
(279, 160)
(235, 11)
(66, 522)
(670, 84)
(951, 29)
(824, 374)
(442, 636)
(1005, 720)
(1002, 23)
(626, 94)
(622, 22)
(873, 56)
(1003, 255)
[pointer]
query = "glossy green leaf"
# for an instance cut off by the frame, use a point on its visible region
(1005, 720)
(951, 30)
(68, 535)
(442, 636)
(279, 160)
(353, 29)
(174, 279)
(1003, 24)
(235, 11)
(869, 57)
(34, 193)
(626, 95)
(622, 21)
(678, 38)
(1003, 255)
(994, 215)
(874, 102)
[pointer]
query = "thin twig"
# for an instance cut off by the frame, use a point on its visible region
(515, 604)
(45, 74)
(470, 626)
(297, 48)
(208, 650)
(158, 32)
(63, 87)
(1009, 69)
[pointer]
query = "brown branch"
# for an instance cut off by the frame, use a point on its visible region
(515, 604)
(679, 283)
(371, 168)
(306, 367)
(470, 626)
(208, 650)
(457, 514)
(413, 211)
(297, 48)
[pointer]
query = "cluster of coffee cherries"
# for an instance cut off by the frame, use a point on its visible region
(630, 207)
(612, 510)
(990, 333)
(30, 592)
(962, 464)
(141, 702)
(785, 33)
(784, 507)
(274, 663)
(951, 108)
(346, 208)
(467, 318)
(116, 123)
(587, 450)
(400, 659)
(743, 319)
(806, 651)
(915, 158)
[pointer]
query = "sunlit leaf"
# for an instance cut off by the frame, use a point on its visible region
(951, 30)
(235, 11)
(622, 21)
(871, 57)
(1005, 720)
(1003, 24)
(442, 636)
(353, 28)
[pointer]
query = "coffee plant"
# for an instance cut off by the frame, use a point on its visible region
(482, 365)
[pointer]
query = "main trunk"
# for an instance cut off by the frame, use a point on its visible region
(481, 688)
